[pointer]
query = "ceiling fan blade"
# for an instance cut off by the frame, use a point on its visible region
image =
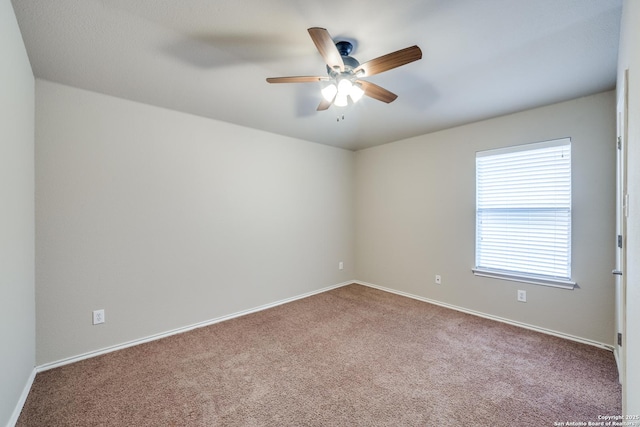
(390, 61)
(374, 91)
(327, 48)
(297, 79)
(324, 105)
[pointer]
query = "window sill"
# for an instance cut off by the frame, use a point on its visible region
(555, 283)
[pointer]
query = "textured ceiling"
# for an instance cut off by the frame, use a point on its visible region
(481, 59)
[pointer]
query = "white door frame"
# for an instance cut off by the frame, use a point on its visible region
(622, 212)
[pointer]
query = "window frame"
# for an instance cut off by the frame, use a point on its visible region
(521, 276)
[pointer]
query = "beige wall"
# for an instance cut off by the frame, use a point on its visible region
(415, 217)
(629, 58)
(165, 219)
(17, 303)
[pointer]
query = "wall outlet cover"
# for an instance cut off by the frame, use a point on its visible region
(98, 316)
(522, 296)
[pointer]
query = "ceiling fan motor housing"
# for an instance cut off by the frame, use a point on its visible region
(344, 47)
(350, 63)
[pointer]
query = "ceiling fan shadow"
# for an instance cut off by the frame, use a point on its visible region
(208, 51)
(307, 97)
(417, 92)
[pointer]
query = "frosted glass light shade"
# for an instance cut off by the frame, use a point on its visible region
(356, 92)
(341, 100)
(329, 92)
(344, 86)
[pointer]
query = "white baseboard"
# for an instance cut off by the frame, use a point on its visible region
(23, 398)
(491, 317)
(16, 413)
(154, 337)
(616, 356)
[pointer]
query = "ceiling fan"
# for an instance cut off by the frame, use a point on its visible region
(344, 72)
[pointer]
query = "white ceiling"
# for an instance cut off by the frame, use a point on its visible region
(481, 58)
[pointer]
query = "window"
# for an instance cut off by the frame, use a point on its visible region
(523, 213)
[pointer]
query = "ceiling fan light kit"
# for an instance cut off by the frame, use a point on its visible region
(345, 72)
(339, 90)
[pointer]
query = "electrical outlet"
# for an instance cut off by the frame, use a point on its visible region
(98, 316)
(438, 279)
(341, 265)
(522, 296)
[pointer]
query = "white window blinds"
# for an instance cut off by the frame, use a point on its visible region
(523, 210)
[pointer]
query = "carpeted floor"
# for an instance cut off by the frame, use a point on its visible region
(353, 356)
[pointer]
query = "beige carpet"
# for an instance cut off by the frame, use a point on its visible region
(353, 356)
